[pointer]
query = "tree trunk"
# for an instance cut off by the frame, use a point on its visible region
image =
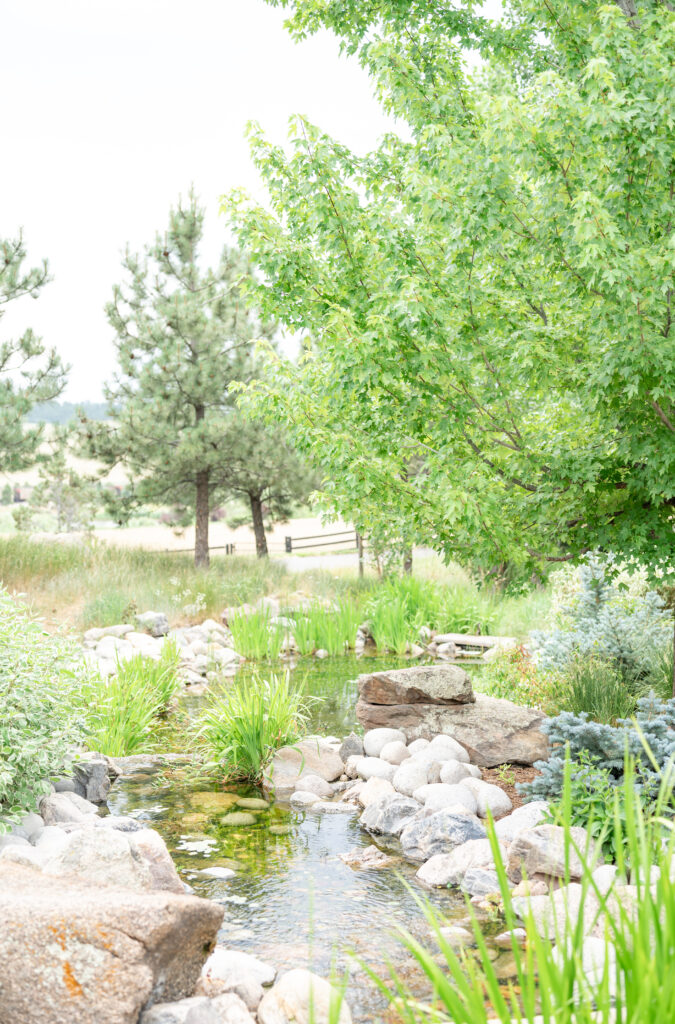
(202, 520)
(408, 561)
(258, 526)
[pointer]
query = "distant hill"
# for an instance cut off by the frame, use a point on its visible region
(64, 412)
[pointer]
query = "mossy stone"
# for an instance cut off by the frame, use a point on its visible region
(238, 818)
(252, 803)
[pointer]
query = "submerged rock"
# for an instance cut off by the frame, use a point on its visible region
(238, 818)
(312, 755)
(370, 857)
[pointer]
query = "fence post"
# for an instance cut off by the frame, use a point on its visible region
(289, 545)
(359, 548)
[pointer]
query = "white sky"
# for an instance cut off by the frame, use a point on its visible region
(113, 107)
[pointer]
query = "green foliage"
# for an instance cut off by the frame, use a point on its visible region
(648, 738)
(39, 678)
(242, 728)
(551, 982)
(490, 291)
(596, 685)
(122, 712)
(332, 629)
(29, 373)
(6, 495)
(255, 635)
(513, 675)
(72, 498)
(602, 622)
(390, 626)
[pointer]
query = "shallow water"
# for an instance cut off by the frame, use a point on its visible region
(291, 900)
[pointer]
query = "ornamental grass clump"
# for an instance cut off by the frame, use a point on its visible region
(40, 678)
(123, 713)
(609, 957)
(240, 729)
(255, 636)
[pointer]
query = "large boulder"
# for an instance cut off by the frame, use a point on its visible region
(450, 868)
(424, 684)
(135, 860)
(493, 731)
(73, 953)
(439, 833)
(310, 756)
(390, 815)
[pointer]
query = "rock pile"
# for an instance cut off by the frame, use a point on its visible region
(423, 702)
(204, 649)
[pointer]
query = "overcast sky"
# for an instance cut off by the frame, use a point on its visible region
(113, 107)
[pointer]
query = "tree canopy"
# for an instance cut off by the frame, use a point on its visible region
(489, 293)
(29, 372)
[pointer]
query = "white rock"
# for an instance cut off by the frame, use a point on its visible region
(230, 964)
(231, 1009)
(410, 776)
(303, 799)
(523, 817)
(314, 784)
(374, 789)
(489, 798)
(375, 767)
(334, 807)
(395, 752)
(605, 877)
(375, 739)
(351, 766)
(417, 745)
(454, 771)
(451, 748)
(217, 872)
(440, 795)
(300, 997)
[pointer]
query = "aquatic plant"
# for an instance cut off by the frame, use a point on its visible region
(255, 635)
(240, 729)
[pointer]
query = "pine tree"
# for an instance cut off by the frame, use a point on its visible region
(183, 335)
(29, 373)
(72, 498)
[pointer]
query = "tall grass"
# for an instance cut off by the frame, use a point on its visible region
(390, 624)
(332, 629)
(255, 636)
(598, 687)
(555, 982)
(122, 712)
(242, 728)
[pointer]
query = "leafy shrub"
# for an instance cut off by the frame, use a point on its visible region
(122, 712)
(649, 738)
(551, 981)
(39, 676)
(600, 621)
(242, 728)
(513, 675)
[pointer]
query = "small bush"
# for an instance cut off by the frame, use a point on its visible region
(241, 729)
(514, 676)
(597, 686)
(649, 738)
(39, 678)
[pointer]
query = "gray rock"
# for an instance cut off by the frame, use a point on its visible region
(314, 784)
(248, 989)
(82, 804)
(311, 755)
(74, 953)
(11, 839)
(93, 774)
(439, 833)
(66, 785)
(389, 816)
(480, 882)
(196, 1010)
(450, 868)
(375, 740)
(232, 1009)
(423, 684)
(542, 851)
(29, 827)
(351, 745)
(57, 808)
(493, 731)
(149, 846)
(156, 623)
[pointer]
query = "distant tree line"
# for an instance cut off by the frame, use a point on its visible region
(66, 412)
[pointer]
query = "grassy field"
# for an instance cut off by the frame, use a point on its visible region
(78, 585)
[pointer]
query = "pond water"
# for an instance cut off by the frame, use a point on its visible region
(291, 900)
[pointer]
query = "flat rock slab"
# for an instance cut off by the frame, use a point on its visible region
(424, 684)
(312, 756)
(493, 731)
(73, 953)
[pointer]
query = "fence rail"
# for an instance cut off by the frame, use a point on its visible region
(292, 544)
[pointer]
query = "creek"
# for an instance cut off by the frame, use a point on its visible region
(292, 901)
